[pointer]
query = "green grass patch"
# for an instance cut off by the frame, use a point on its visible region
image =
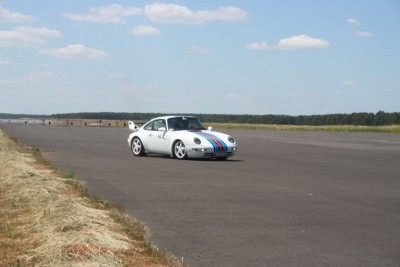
(328, 128)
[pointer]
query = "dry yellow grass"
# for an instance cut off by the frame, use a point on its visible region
(45, 220)
(248, 126)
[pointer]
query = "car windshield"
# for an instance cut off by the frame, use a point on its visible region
(184, 123)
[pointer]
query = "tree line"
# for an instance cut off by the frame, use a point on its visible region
(361, 118)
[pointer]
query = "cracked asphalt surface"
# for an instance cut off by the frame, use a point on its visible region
(286, 198)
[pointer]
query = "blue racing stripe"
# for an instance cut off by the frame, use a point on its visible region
(218, 144)
(209, 140)
(219, 140)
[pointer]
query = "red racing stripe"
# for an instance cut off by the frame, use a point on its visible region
(220, 146)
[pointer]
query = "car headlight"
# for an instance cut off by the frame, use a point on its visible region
(197, 140)
(231, 139)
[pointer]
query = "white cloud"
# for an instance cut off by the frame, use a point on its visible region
(31, 82)
(359, 33)
(40, 32)
(347, 83)
(232, 96)
(14, 17)
(353, 22)
(292, 43)
(77, 51)
(5, 61)
(115, 76)
(364, 34)
(258, 46)
(107, 14)
(386, 90)
(301, 42)
(8, 83)
(145, 30)
(197, 50)
(26, 36)
(171, 13)
(40, 75)
(130, 88)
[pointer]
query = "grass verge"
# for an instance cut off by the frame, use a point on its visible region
(49, 219)
(328, 128)
(270, 127)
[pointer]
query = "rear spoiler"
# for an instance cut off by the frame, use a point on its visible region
(132, 126)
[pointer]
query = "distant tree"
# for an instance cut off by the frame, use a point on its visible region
(361, 118)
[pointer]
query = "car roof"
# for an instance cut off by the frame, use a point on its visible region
(171, 116)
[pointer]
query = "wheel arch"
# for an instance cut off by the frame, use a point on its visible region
(133, 138)
(173, 142)
(143, 152)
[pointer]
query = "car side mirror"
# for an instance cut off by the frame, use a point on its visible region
(210, 128)
(162, 129)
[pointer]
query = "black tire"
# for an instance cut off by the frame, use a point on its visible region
(179, 149)
(137, 147)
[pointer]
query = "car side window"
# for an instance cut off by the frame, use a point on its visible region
(158, 124)
(149, 126)
(173, 124)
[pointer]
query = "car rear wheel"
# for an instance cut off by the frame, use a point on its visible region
(137, 147)
(180, 150)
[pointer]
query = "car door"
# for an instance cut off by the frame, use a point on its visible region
(147, 137)
(161, 137)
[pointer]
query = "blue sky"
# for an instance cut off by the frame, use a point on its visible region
(185, 56)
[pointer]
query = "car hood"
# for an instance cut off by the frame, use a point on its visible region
(202, 133)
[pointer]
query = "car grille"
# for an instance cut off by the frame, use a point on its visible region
(212, 155)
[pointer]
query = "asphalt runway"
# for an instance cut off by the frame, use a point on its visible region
(286, 199)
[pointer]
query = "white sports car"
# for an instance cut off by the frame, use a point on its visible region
(180, 137)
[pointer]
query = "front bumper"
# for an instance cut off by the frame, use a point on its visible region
(208, 152)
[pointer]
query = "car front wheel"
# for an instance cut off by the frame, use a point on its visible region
(137, 147)
(180, 150)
